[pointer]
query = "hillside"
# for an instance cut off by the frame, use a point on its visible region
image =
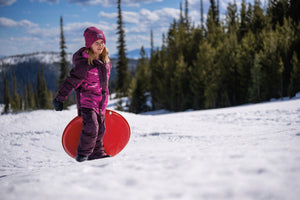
(245, 153)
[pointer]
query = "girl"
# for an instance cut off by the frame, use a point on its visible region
(89, 77)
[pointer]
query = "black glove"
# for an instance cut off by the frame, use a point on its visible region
(58, 106)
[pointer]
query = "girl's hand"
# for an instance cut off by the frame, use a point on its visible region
(58, 106)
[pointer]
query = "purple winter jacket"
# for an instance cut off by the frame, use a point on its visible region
(89, 81)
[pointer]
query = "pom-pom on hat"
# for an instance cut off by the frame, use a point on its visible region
(91, 35)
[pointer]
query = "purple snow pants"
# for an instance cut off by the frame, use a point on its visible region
(90, 142)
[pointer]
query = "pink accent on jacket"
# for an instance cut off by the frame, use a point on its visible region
(89, 81)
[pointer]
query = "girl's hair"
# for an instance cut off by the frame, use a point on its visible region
(103, 56)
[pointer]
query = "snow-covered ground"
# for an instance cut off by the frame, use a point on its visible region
(245, 152)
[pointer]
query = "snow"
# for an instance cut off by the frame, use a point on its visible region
(43, 57)
(243, 153)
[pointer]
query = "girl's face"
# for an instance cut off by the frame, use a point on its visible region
(98, 46)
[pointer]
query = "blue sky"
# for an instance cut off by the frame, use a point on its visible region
(28, 26)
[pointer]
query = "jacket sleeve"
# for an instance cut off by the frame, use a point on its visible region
(73, 81)
(105, 94)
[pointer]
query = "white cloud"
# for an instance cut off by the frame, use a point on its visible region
(48, 1)
(77, 29)
(6, 22)
(112, 3)
(131, 17)
(145, 17)
(105, 3)
(7, 2)
(138, 2)
(44, 33)
(108, 15)
(147, 14)
(138, 24)
(27, 44)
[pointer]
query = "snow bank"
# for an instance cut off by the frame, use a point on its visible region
(245, 152)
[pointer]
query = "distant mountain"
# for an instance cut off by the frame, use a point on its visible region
(135, 54)
(25, 68)
(42, 57)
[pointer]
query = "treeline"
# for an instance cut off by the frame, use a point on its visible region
(32, 97)
(250, 56)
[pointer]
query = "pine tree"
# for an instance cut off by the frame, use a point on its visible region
(212, 33)
(269, 60)
(185, 32)
(245, 62)
(280, 72)
(194, 72)
(294, 86)
(201, 17)
(151, 43)
(278, 10)
(181, 18)
(151, 68)
(293, 10)
(123, 75)
(256, 74)
(285, 37)
(249, 17)
(186, 16)
(140, 85)
(25, 99)
(227, 67)
(38, 90)
(178, 85)
(243, 24)
(232, 18)
(259, 19)
(205, 65)
(31, 97)
(64, 68)
(214, 11)
(15, 103)
(227, 61)
(42, 91)
(159, 77)
(6, 96)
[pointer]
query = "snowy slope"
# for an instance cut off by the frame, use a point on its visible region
(246, 152)
(43, 57)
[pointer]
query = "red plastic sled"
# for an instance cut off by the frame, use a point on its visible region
(116, 137)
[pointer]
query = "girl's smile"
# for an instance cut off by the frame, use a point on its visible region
(98, 46)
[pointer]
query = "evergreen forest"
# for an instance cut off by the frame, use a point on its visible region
(250, 55)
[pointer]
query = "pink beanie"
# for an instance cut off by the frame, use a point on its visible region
(91, 35)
